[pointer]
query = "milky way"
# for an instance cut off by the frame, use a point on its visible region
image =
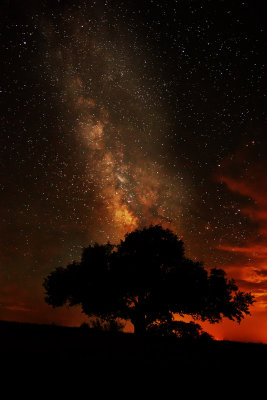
(121, 115)
(118, 131)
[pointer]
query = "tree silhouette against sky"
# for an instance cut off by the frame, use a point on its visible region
(146, 279)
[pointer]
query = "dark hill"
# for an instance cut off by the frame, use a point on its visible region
(25, 344)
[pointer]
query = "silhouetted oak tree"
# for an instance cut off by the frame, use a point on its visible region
(146, 279)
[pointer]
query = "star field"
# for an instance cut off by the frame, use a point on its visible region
(118, 115)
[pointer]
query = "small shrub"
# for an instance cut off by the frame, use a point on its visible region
(104, 326)
(115, 326)
(84, 325)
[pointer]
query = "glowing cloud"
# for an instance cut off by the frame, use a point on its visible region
(253, 274)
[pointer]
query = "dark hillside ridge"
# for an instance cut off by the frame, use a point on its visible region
(50, 344)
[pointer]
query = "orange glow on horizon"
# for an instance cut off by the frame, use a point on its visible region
(250, 267)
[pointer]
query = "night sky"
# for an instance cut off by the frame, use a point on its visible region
(121, 114)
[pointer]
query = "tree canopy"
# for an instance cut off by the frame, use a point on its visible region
(146, 279)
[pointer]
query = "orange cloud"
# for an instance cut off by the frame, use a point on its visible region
(251, 271)
(249, 266)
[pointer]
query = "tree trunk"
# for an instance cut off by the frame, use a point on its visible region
(139, 322)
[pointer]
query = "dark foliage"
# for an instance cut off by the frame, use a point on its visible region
(179, 329)
(146, 279)
(100, 326)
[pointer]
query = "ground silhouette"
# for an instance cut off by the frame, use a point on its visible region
(146, 279)
(24, 346)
